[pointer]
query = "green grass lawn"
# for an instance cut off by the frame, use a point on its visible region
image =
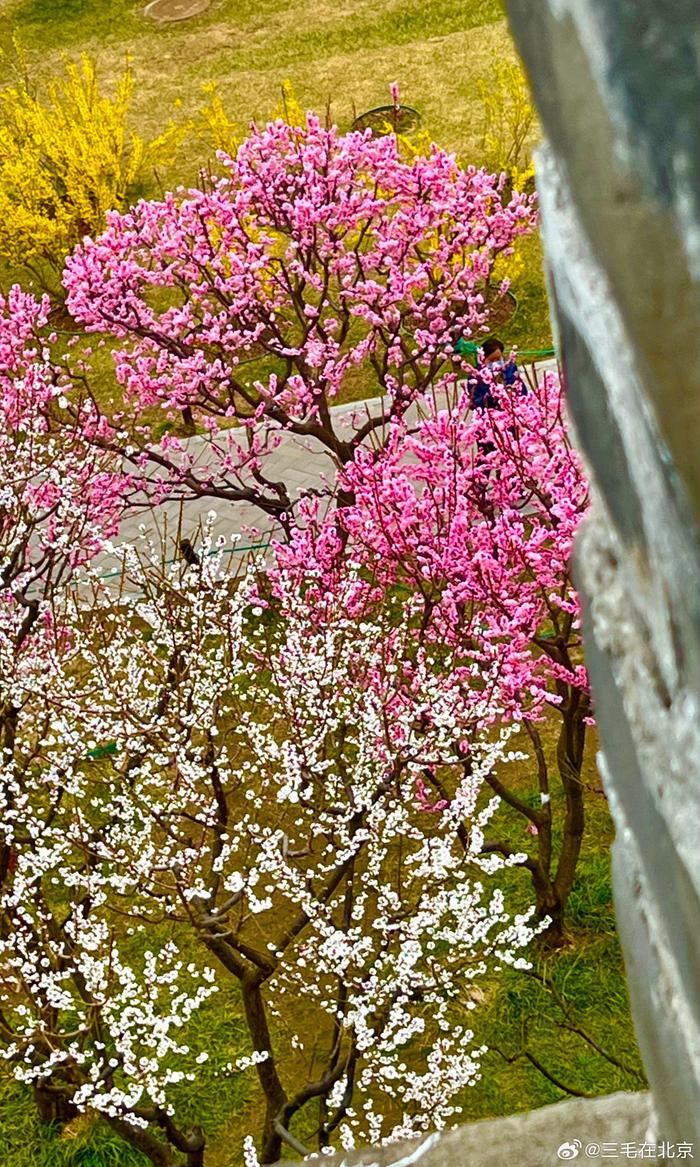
(589, 994)
(347, 53)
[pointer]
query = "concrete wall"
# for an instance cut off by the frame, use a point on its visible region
(523, 1140)
(617, 85)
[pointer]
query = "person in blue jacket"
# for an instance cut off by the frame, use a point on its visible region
(505, 372)
(493, 358)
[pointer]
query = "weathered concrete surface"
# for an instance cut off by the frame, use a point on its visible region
(617, 83)
(617, 86)
(523, 1140)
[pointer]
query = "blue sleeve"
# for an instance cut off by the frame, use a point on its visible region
(510, 373)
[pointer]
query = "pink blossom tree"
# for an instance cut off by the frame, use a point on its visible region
(321, 262)
(97, 854)
(318, 259)
(464, 523)
(61, 495)
(301, 766)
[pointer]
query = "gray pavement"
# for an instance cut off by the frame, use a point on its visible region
(302, 463)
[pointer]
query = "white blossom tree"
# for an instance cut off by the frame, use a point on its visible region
(89, 1016)
(188, 754)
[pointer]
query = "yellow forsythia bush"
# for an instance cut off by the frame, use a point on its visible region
(509, 122)
(66, 158)
(217, 129)
(214, 124)
(290, 109)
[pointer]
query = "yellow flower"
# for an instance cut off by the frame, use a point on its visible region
(66, 159)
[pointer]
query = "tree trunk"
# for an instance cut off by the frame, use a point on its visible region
(570, 750)
(271, 1142)
(160, 1154)
(53, 1106)
(188, 420)
(549, 905)
(275, 1096)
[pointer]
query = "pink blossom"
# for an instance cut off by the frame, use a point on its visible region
(317, 254)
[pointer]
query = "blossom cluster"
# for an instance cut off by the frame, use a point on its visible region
(261, 296)
(466, 518)
(61, 494)
(259, 793)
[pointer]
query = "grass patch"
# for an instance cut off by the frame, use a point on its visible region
(25, 1142)
(586, 978)
(530, 327)
(437, 51)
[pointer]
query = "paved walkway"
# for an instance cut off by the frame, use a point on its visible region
(302, 463)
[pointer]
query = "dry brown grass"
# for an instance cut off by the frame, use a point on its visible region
(344, 53)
